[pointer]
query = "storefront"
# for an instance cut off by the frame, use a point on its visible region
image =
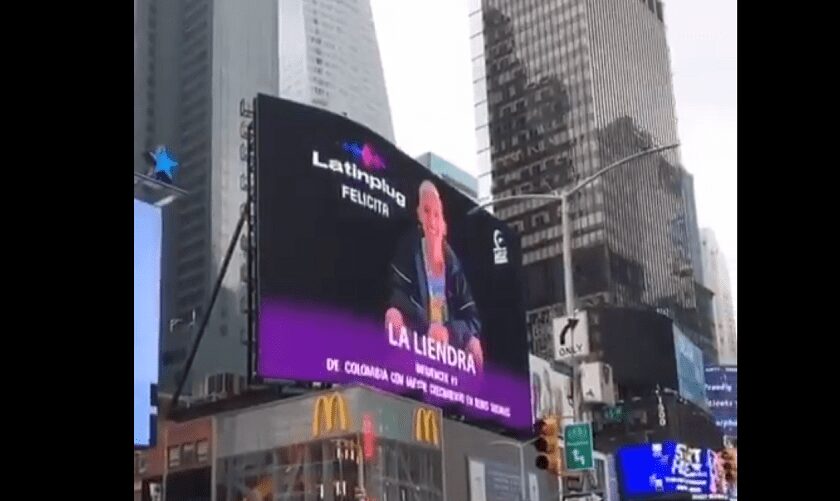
(331, 446)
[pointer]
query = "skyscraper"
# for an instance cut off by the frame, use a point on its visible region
(716, 278)
(194, 61)
(329, 58)
(563, 89)
(451, 173)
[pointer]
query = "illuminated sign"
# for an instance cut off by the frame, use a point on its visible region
(329, 415)
(391, 282)
(368, 437)
(426, 428)
(665, 467)
(722, 397)
(147, 255)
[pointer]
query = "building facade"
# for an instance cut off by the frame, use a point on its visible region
(331, 446)
(452, 174)
(716, 278)
(660, 417)
(198, 59)
(194, 61)
(329, 58)
(563, 89)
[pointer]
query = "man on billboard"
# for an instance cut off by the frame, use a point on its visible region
(429, 290)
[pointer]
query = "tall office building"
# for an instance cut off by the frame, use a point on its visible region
(329, 58)
(451, 173)
(563, 89)
(716, 278)
(194, 60)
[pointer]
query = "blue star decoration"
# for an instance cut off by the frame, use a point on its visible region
(164, 165)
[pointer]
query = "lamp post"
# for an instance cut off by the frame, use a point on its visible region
(563, 195)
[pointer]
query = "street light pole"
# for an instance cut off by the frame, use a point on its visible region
(564, 195)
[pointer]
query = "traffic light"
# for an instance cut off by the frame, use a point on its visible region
(546, 444)
(730, 464)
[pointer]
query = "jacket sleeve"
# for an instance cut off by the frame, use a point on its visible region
(464, 321)
(402, 282)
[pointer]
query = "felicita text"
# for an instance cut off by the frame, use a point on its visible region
(432, 349)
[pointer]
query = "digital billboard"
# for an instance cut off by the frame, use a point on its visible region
(647, 470)
(147, 249)
(370, 270)
(690, 369)
(722, 397)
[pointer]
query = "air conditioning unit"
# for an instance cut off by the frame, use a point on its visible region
(222, 385)
(597, 383)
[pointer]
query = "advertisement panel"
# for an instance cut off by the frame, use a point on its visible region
(550, 390)
(370, 270)
(659, 468)
(147, 249)
(722, 397)
(690, 369)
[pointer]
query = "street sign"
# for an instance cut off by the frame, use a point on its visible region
(577, 440)
(614, 414)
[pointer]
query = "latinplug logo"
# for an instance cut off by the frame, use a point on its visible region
(500, 252)
(426, 427)
(366, 155)
(329, 415)
(368, 183)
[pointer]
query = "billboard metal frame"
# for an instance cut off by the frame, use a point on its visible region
(251, 245)
(247, 134)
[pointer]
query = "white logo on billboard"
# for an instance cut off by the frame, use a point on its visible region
(367, 182)
(500, 254)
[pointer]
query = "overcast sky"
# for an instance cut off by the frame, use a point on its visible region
(426, 57)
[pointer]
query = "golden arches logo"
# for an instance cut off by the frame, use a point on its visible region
(329, 414)
(426, 427)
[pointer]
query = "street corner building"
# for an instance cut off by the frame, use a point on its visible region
(331, 445)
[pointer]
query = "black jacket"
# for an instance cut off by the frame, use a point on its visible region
(410, 292)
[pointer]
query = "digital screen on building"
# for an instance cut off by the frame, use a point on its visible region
(690, 369)
(147, 249)
(371, 271)
(722, 397)
(651, 469)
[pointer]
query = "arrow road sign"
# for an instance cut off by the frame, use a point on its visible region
(578, 446)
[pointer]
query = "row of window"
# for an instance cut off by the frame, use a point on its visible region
(188, 454)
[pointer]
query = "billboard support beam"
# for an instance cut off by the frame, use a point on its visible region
(206, 317)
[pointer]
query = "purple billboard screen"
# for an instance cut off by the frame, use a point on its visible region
(370, 270)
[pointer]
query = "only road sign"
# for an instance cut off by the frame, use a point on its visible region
(577, 440)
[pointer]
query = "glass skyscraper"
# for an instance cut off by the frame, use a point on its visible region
(563, 89)
(329, 58)
(194, 61)
(451, 173)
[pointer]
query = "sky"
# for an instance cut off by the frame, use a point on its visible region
(147, 245)
(428, 73)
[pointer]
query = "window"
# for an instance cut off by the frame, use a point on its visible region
(174, 456)
(189, 454)
(202, 450)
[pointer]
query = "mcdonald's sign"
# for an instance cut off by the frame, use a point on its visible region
(426, 427)
(329, 415)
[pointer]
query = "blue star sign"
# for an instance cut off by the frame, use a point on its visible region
(164, 165)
